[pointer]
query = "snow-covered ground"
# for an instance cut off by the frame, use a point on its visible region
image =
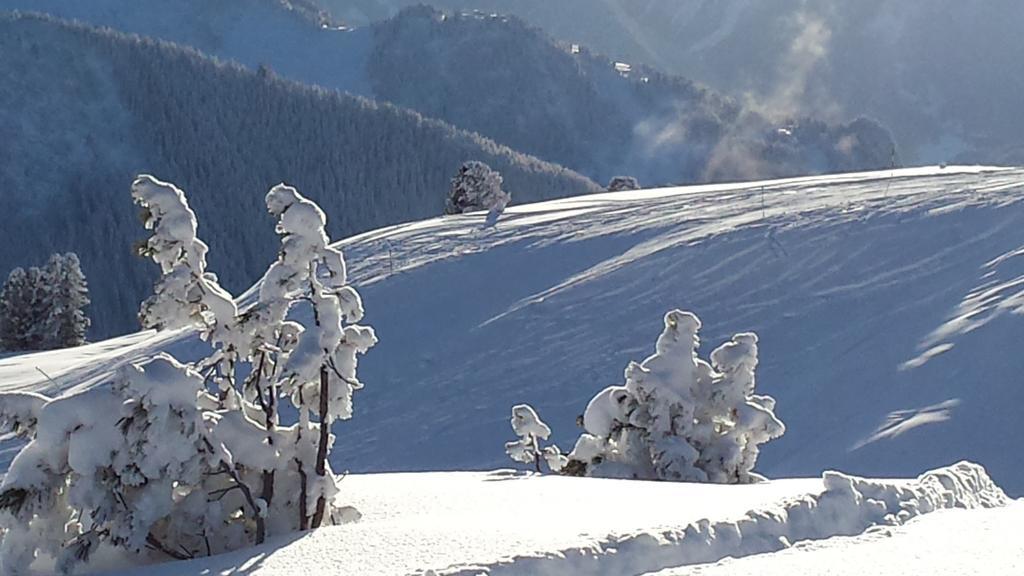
(888, 310)
(946, 543)
(462, 523)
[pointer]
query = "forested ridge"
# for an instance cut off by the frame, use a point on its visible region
(125, 105)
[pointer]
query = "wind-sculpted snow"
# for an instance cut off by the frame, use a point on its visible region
(946, 543)
(848, 506)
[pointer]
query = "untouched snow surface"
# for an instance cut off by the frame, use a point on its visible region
(887, 307)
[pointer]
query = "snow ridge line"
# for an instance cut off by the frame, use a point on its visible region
(848, 506)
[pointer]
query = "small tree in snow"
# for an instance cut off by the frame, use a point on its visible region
(620, 183)
(476, 187)
(44, 308)
(319, 373)
(16, 302)
(184, 460)
(531, 430)
(678, 417)
(68, 296)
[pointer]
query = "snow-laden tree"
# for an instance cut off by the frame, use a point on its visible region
(16, 302)
(44, 308)
(144, 465)
(67, 297)
(476, 187)
(678, 417)
(620, 183)
(531, 430)
(319, 373)
(184, 460)
(186, 293)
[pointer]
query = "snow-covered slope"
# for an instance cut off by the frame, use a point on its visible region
(886, 305)
(501, 523)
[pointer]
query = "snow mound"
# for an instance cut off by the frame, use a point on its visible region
(848, 506)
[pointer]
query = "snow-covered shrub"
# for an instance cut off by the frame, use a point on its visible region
(476, 187)
(184, 460)
(620, 183)
(139, 465)
(531, 430)
(678, 417)
(44, 308)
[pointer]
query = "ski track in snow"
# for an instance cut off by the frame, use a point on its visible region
(855, 284)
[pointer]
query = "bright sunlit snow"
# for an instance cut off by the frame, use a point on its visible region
(884, 304)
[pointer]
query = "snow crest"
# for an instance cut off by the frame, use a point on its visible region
(848, 506)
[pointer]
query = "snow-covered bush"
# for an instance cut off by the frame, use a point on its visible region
(184, 460)
(620, 183)
(136, 465)
(531, 430)
(476, 187)
(44, 308)
(678, 417)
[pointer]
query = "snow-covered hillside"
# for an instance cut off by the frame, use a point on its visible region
(886, 304)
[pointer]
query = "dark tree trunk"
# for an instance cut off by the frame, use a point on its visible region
(321, 449)
(303, 511)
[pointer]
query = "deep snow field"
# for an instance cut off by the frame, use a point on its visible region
(888, 308)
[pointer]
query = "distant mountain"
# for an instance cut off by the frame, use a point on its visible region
(509, 82)
(945, 76)
(82, 111)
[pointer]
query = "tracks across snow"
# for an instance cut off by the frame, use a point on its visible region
(846, 279)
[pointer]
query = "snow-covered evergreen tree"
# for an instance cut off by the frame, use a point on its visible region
(678, 417)
(44, 308)
(620, 183)
(476, 187)
(186, 293)
(141, 465)
(37, 309)
(15, 305)
(531, 430)
(198, 461)
(67, 297)
(319, 374)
